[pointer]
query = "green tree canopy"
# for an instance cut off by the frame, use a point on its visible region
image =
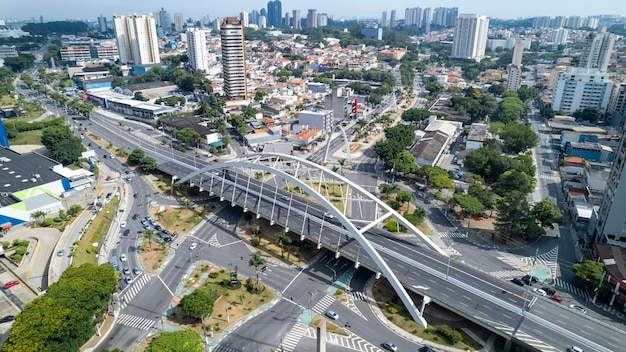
(198, 304)
(547, 213)
(513, 180)
(65, 147)
(513, 215)
(177, 341)
(148, 164)
(518, 138)
(135, 156)
(415, 115)
(405, 162)
(510, 109)
(188, 136)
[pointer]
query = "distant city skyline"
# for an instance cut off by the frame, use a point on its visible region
(85, 10)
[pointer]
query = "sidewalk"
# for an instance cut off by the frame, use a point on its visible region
(105, 329)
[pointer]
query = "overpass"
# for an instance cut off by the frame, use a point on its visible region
(330, 210)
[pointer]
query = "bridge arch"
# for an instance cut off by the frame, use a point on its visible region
(254, 162)
(346, 144)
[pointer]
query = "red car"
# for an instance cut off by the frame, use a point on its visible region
(556, 298)
(10, 284)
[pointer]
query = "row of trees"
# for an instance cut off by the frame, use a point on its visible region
(75, 104)
(63, 318)
(19, 63)
(185, 82)
(146, 163)
(474, 103)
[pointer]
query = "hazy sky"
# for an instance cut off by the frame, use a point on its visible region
(88, 9)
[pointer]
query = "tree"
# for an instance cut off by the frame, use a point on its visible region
(187, 84)
(496, 89)
(149, 235)
(415, 115)
(188, 136)
(256, 261)
(513, 214)
(589, 273)
(513, 180)
(405, 197)
(74, 209)
(118, 81)
(135, 156)
(470, 205)
(259, 96)
(518, 138)
(64, 146)
(148, 164)
(590, 113)
(177, 341)
(38, 215)
(281, 238)
(198, 304)
(547, 214)
(19, 63)
(255, 229)
(405, 162)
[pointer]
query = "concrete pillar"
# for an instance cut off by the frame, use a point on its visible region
(321, 336)
(507, 345)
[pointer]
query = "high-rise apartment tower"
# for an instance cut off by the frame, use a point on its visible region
(233, 58)
(137, 39)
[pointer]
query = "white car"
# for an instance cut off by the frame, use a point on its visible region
(332, 315)
(329, 215)
(579, 309)
(540, 292)
(123, 223)
(193, 246)
(123, 257)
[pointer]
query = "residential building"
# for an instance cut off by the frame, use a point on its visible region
(558, 22)
(311, 19)
(233, 58)
(392, 19)
(322, 19)
(470, 37)
(178, 22)
(445, 16)
(137, 40)
(287, 20)
(296, 19)
(245, 19)
(196, 49)
(578, 88)
(560, 36)
(514, 70)
(165, 20)
(478, 134)
(413, 17)
(617, 104)
(598, 50)
(610, 226)
(383, 22)
(427, 18)
(543, 21)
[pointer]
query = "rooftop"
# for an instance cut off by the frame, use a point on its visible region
(23, 171)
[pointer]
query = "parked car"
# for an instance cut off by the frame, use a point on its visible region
(123, 223)
(7, 319)
(10, 284)
(540, 292)
(332, 315)
(549, 290)
(518, 281)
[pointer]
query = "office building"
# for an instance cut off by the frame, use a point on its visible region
(558, 22)
(470, 37)
(287, 20)
(392, 19)
(137, 40)
(597, 51)
(262, 22)
(311, 19)
(296, 19)
(233, 58)
(274, 13)
(102, 24)
(178, 22)
(376, 33)
(383, 22)
(322, 20)
(514, 70)
(196, 49)
(165, 21)
(610, 228)
(317, 119)
(578, 88)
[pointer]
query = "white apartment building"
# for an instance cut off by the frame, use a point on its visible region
(196, 49)
(317, 119)
(610, 226)
(233, 58)
(137, 39)
(560, 36)
(514, 70)
(598, 50)
(578, 88)
(470, 37)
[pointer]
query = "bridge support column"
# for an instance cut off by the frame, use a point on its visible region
(321, 336)
(507, 345)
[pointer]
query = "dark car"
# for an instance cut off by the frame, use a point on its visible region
(126, 232)
(532, 279)
(549, 290)
(426, 349)
(135, 195)
(518, 281)
(7, 319)
(136, 216)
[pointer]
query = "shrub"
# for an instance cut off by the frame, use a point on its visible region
(16, 257)
(255, 241)
(394, 227)
(339, 292)
(395, 205)
(392, 309)
(23, 243)
(57, 219)
(89, 249)
(47, 222)
(214, 274)
(6, 244)
(413, 219)
(452, 335)
(20, 250)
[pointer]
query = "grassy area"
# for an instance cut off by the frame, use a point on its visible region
(330, 326)
(392, 308)
(153, 254)
(179, 220)
(87, 251)
(334, 192)
(27, 137)
(231, 305)
(7, 100)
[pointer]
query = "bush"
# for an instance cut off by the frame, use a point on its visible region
(392, 309)
(214, 274)
(47, 222)
(20, 250)
(16, 257)
(394, 227)
(57, 219)
(255, 241)
(452, 335)
(413, 219)
(23, 243)
(395, 205)
(6, 244)
(339, 292)
(89, 249)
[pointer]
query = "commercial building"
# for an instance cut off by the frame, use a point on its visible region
(178, 22)
(470, 37)
(578, 88)
(165, 21)
(598, 50)
(610, 227)
(8, 51)
(316, 119)
(311, 18)
(376, 33)
(102, 24)
(274, 13)
(137, 40)
(196, 49)
(383, 21)
(296, 19)
(233, 59)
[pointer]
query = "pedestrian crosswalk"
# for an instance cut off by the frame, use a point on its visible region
(451, 234)
(323, 304)
(352, 341)
(551, 177)
(177, 241)
(507, 274)
(129, 293)
(134, 321)
(355, 296)
(358, 295)
(290, 341)
(548, 258)
(571, 288)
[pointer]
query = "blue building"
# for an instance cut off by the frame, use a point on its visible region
(376, 33)
(589, 151)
